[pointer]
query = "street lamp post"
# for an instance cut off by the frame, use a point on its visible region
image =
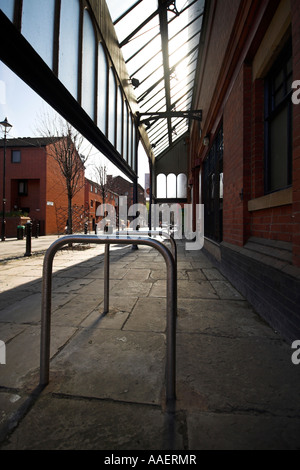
(4, 124)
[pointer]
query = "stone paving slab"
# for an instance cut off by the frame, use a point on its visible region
(244, 374)
(215, 431)
(236, 385)
(227, 318)
(22, 354)
(110, 426)
(118, 365)
(116, 318)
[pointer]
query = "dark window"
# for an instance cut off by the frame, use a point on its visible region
(23, 188)
(278, 123)
(213, 189)
(16, 156)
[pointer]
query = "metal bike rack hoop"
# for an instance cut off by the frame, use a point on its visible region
(111, 240)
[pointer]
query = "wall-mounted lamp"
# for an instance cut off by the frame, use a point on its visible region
(135, 82)
(206, 141)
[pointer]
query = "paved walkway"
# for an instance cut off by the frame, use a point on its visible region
(13, 248)
(236, 385)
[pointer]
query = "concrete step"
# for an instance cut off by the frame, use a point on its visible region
(272, 248)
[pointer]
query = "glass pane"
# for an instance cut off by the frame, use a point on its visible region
(289, 66)
(125, 136)
(145, 54)
(38, 27)
(117, 8)
(278, 96)
(171, 186)
(137, 16)
(161, 183)
(289, 83)
(130, 141)
(88, 65)
(279, 151)
(7, 6)
(278, 80)
(181, 186)
(68, 45)
(102, 88)
(133, 164)
(112, 106)
(119, 120)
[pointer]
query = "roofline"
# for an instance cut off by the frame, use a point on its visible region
(29, 141)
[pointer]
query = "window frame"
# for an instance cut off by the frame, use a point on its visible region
(12, 156)
(273, 110)
(25, 190)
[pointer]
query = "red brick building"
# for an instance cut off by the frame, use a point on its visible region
(245, 160)
(95, 195)
(35, 185)
(124, 187)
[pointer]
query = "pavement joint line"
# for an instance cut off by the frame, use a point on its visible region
(67, 396)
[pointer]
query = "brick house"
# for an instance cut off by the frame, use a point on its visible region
(94, 198)
(244, 164)
(123, 187)
(35, 185)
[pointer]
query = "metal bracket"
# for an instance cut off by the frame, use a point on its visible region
(195, 115)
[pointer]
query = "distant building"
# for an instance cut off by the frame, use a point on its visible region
(35, 186)
(147, 185)
(95, 195)
(125, 188)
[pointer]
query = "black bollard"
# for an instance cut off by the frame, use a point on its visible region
(28, 238)
(37, 230)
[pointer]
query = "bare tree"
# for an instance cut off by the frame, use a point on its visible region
(100, 175)
(65, 148)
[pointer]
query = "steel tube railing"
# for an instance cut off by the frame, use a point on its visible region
(152, 233)
(109, 240)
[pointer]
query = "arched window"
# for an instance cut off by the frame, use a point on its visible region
(88, 65)
(102, 88)
(38, 27)
(7, 6)
(68, 45)
(171, 186)
(112, 106)
(161, 183)
(181, 186)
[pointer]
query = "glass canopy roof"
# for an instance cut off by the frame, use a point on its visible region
(160, 43)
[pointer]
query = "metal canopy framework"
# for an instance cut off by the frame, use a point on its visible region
(160, 44)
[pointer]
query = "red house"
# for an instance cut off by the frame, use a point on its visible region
(35, 186)
(95, 195)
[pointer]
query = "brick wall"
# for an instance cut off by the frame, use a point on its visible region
(296, 130)
(56, 194)
(276, 223)
(94, 198)
(237, 154)
(31, 168)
